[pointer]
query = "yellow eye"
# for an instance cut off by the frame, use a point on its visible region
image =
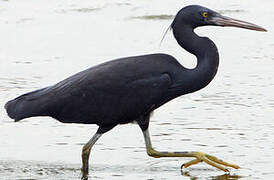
(205, 14)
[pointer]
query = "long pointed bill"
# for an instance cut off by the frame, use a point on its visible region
(227, 21)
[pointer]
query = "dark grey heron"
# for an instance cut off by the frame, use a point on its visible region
(129, 89)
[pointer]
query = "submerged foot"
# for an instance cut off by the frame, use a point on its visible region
(211, 160)
(84, 178)
(84, 173)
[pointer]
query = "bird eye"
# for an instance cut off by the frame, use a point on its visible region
(205, 14)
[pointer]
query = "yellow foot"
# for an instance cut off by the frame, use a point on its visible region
(211, 160)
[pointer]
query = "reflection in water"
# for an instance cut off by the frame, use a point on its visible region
(154, 17)
(36, 170)
(86, 10)
(229, 11)
(219, 177)
(7, 84)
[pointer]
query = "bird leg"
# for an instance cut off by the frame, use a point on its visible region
(85, 155)
(200, 156)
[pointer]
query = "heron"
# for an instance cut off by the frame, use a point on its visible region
(129, 89)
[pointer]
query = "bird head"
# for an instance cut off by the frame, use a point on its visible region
(195, 16)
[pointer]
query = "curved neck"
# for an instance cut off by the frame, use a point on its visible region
(207, 58)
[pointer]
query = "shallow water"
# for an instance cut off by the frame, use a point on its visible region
(43, 42)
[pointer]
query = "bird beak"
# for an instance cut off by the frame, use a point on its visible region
(220, 20)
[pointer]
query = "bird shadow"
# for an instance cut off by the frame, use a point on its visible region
(225, 176)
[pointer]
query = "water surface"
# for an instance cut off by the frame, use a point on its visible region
(43, 42)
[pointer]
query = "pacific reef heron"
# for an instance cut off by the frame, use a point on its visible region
(129, 89)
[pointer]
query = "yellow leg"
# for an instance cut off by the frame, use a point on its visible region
(200, 156)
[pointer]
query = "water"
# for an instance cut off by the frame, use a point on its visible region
(43, 42)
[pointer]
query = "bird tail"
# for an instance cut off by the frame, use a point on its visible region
(26, 105)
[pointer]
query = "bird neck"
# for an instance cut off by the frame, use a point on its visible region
(207, 58)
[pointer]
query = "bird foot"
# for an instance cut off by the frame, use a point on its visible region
(84, 173)
(211, 160)
(84, 178)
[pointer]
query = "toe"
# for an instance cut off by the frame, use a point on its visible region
(192, 162)
(213, 158)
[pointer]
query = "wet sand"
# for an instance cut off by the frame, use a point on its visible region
(43, 42)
